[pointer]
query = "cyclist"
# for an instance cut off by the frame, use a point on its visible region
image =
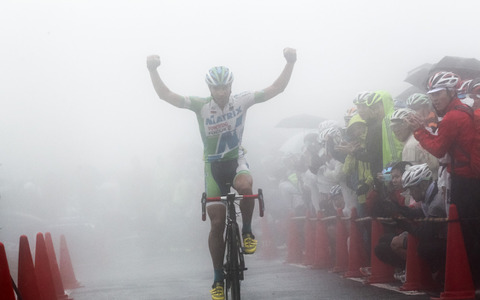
(412, 150)
(381, 145)
(455, 136)
(221, 118)
(423, 106)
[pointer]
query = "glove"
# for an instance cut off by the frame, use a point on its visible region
(362, 189)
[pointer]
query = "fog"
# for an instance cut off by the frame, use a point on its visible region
(89, 151)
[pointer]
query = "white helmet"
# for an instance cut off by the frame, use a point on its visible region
(417, 100)
(330, 132)
(401, 114)
(335, 190)
(219, 76)
(327, 124)
(415, 174)
(361, 97)
(442, 80)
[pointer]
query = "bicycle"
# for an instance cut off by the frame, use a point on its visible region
(234, 265)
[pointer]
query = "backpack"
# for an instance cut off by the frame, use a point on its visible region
(475, 153)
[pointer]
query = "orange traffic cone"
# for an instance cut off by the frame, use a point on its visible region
(42, 270)
(52, 259)
(268, 250)
(309, 240)
(357, 254)
(341, 248)
(27, 280)
(322, 249)
(6, 287)
(66, 268)
(294, 250)
(458, 278)
(418, 274)
(380, 271)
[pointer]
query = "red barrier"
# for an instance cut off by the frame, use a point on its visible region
(27, 280)
(418, 274)
(309, 231)
(66, 268)
(6, 288)
(294, 250)
(357, 254)
(52, 259)
(380, 271)
(322, 248)
(458, 278)
(341, 248)
(42, 270)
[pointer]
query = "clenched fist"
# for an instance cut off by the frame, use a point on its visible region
(290, 55)
(153, 62)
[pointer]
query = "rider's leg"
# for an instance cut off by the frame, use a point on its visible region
(216, 213)
(243, 185)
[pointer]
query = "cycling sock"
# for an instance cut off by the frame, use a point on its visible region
(218, 275)
(247, 228)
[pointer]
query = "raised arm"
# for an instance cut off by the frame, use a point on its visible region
(282, 81)
(153, 62)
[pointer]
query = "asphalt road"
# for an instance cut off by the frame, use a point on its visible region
(187, 276)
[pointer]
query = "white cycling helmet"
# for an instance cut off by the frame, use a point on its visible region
(331, 132)
(327, 124)
(335, 190)
(416, 174)
(361, 98)
(417, 100)
(442, 80)
(219, 76)
(464, 86)
(474, 87)
(401, 114)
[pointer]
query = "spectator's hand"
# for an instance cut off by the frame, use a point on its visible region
(345, 147)
(290, 55)
(380, 176)
(415, 122)
(398, 242)
(153, 62)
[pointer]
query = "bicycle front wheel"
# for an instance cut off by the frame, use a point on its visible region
(234, 262)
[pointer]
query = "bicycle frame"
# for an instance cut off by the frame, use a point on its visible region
(235, 264)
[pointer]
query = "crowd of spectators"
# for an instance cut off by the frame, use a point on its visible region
(402, 160)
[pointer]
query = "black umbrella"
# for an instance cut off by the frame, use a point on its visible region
(466, 68)
(418, 77)
(300, 121)
(403, 96)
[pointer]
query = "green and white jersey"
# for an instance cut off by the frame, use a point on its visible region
(222, 130)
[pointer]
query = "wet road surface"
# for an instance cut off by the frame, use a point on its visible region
(188, 276)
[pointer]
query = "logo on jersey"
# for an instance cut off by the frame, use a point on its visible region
(225, 117)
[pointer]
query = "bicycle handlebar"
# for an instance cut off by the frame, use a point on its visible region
(258, 196)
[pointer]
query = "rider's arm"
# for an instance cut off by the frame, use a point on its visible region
(282, 81)
(153, 61)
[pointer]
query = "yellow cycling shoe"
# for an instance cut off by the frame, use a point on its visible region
(249, 243)
(217, 291)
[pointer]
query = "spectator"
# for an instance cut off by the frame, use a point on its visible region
(389, 207)
(422, 105)
(455, 135)
(330, 173)
(357, 173)
(412, 150)
(418, 179)
(382, 146)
